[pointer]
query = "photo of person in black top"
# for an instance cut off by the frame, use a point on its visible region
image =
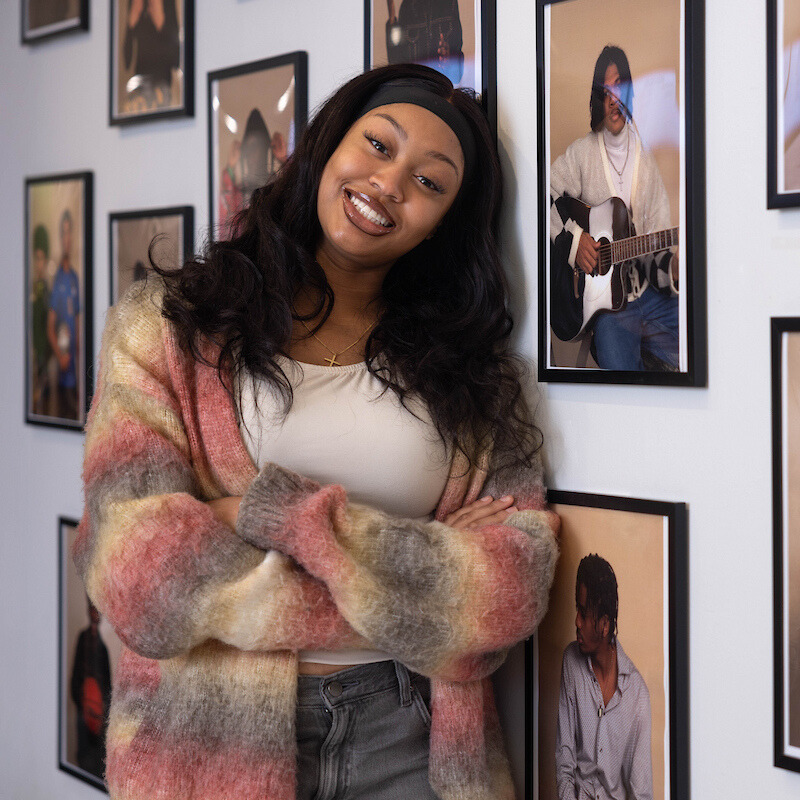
(426, 32)
(90, 689)
(152, 51)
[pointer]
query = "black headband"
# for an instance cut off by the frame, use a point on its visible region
(403, 91)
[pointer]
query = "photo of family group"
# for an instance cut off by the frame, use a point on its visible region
(58, 311)
(605, 700)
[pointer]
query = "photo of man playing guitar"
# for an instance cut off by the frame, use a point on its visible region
(614, 264)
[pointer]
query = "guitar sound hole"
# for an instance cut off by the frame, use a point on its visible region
(604, 257)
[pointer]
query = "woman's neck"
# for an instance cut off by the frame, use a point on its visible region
(357, 291)
(355, 312)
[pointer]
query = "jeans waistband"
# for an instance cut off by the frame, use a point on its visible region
(355, 683)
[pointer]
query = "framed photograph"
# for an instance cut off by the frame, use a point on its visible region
(88, 653)
(607, 706)
(256, 112)
(152, 60)
(786, 537)
(783, 103)
(42, 19)
(456, 37)
(58, 299)
(622, 254)
(132, 234)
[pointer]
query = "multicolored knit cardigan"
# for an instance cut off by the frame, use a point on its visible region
(212, 618)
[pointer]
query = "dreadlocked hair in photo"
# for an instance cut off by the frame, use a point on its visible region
(602, 597)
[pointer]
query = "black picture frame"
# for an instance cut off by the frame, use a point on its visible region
(783, 191)
(484, 16)
(568, 358)
(47, 199)
(82, 709)
(590, 525)
(252, 92)
(144, 93)
(786, 542)
(37, 30)
(144, 225)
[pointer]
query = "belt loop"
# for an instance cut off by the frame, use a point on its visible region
(404, 683)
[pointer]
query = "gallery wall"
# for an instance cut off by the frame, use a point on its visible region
(708, 447)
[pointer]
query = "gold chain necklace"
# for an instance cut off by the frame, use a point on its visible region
(332, 362)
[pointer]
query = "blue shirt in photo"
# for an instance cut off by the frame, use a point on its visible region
(65, 302)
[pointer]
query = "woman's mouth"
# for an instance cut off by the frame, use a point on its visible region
(367, 213)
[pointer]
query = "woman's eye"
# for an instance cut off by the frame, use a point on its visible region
(377, 144)
(427, 182)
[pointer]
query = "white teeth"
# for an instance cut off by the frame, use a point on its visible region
(367, 212)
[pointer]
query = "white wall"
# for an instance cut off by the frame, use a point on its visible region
(709, 447)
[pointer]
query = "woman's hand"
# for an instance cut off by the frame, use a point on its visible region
(486, 511)
(226, 509)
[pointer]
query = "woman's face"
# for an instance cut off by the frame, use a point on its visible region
(387, 185)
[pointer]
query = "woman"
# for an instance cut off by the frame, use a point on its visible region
(352, 332)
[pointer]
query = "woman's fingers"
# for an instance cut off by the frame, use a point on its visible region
(467, 509)
(496, 519)
(485, 511)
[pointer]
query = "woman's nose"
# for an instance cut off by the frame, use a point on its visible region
(388, 180)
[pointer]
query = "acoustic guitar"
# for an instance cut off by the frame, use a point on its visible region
(610, 225)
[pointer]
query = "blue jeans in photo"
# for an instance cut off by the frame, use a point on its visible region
(648, 324)
(363, 733)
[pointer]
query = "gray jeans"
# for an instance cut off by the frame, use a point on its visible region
(363, 734)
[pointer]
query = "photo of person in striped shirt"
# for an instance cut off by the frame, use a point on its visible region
(604, 722)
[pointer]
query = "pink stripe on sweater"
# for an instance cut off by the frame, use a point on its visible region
(137, 676)
(154, 767)
(309, 533)
(126, 446)
(457, 722)
(210, 419)
(508, 608)
(153, 571)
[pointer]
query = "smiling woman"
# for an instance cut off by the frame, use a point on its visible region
(384, 183)
(315, 510)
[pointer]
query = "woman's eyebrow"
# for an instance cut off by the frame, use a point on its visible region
(401, 132)
(442, 157)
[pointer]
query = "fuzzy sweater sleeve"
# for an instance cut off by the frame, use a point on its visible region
(153, 556)
(447, 603)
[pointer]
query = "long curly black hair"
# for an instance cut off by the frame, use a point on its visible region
(443, 334)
